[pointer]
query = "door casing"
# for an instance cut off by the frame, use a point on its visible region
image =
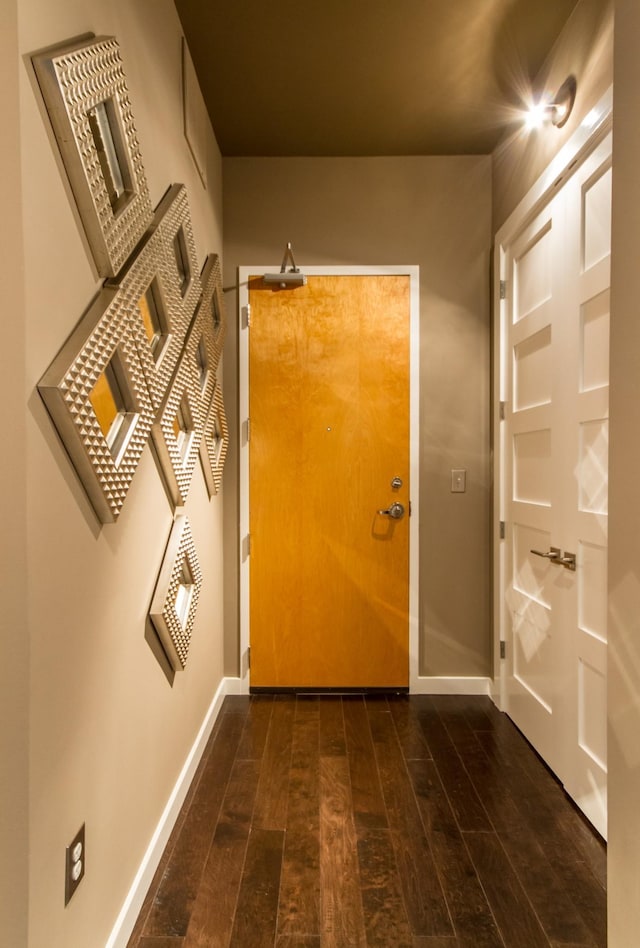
(243, 440)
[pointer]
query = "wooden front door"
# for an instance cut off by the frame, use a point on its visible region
(329, 449)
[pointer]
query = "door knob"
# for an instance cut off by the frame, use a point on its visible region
(395, 511)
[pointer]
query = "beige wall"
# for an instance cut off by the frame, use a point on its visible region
(434, 212)
(109, 733)
(14, 687)
(582, 50)
(624, 502)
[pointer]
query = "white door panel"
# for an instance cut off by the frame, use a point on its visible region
(554, 478)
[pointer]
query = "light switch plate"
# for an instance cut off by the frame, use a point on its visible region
(458, 481)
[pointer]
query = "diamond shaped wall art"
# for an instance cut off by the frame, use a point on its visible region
(213, 299)
(173, 608)
(177, 431)
(96, 393)
(159, 322)
(85, 92)
(214, 444)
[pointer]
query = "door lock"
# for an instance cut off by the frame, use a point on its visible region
(395, 511)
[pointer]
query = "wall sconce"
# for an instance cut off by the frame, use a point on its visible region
(557, 111)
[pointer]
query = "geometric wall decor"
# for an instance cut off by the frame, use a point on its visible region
(172, 221)
(202, 349)
(97, 396)
(175, 599)
(177, 430)
(158, 322)
(213, 299)
(85, 92)
(214, 444)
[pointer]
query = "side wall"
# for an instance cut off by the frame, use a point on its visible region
(14, 691)
(624, 505)
(434, 212)
(110, 731)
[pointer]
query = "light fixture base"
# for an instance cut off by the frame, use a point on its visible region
(563, 102)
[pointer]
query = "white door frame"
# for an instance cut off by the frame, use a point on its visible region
(595, 126)
(414, 453)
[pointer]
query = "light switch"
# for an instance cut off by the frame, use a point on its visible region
(458, 481)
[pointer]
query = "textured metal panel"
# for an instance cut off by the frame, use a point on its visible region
(213, 298)
(174, 634)
(177, 468)
(215, 443)
(75, 79)
(155, 260)
(171, 215)
(66, 388)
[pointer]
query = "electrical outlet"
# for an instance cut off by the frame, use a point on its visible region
(75, 859)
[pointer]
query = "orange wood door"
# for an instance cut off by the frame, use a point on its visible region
(329, 410)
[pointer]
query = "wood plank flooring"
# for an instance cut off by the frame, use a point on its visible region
(374, 822)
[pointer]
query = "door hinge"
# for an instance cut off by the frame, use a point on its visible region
(248, 424)
(503, 411)
(503, 529)
(503, 649)
(249, 657)
(503, 289)
(246, 316)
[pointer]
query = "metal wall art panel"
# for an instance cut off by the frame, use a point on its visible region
(204, 353)
(175, 600)
(213, 298)
(172, 221)
(177, 431)
(158, 319)
(96, 393)
(85, 92)
(214, 444)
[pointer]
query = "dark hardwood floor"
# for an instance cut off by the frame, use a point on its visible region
(387, 822)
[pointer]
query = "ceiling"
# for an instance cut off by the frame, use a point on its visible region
(366, 77)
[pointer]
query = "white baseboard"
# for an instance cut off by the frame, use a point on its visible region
(133, 903)
(450, 686)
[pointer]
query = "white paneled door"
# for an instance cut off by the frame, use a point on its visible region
(555, 352)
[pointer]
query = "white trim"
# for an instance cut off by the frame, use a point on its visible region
(593, 129)
(451, 686)
(130, 910)
(414, 401)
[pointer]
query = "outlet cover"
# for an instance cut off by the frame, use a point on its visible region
(75, 858)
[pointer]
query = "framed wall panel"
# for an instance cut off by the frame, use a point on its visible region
(96, 393)
(214, 444)
(175, 600)
(85, 92)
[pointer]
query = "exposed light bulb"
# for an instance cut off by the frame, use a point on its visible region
(536, 116)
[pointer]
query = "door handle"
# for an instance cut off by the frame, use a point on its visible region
(568, 561)
(554, 554)
(395, 511)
